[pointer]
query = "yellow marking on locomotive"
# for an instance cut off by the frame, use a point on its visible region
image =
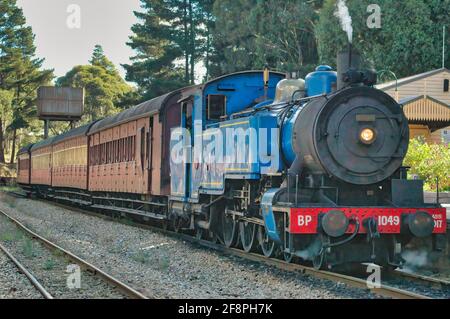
(212, 184)
(237, 169)
(234, 124)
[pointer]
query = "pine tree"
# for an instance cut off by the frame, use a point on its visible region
(99, 59)
(106, 91)
(20, 70)
(408, 42)
(250, 34)
(169, 31)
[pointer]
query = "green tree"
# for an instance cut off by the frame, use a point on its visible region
(171, 37)
(6, 116)
(105, 89)
(429, 162)
(279, 33)
(408, 42)
(153, 67)
(20, 70)
(99, 59)
(233, 40)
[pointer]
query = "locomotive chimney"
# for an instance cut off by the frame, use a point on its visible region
(347, 59)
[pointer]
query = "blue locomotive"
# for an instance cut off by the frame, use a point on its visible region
(308, 169)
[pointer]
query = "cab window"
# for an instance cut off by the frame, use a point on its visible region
(216, 107)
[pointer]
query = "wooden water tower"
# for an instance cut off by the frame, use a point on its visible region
(59, 104)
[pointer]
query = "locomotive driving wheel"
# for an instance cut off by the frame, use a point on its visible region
(177, 223)
(267, 245)
(288, 257)
(247, 232)
(229, 230)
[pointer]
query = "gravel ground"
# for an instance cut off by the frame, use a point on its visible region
(432, 292)
(160, 266)
(13, 284)
(50, 268)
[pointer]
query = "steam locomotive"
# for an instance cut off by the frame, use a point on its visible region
(306, 169)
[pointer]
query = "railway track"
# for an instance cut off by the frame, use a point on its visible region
(124, 289)
(353, 281)
(39, 287)
(424, 280)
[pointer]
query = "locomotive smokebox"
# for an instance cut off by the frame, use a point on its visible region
(358, 136)
(346, 60)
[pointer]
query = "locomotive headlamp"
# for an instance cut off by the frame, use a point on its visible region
(335, 223)
(367, 136)
(421, 224)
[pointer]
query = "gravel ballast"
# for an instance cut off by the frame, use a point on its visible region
(13, 284)
(162, 266)
(51, 268)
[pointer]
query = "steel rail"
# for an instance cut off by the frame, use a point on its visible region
(426, 280)
(383, 290)
(30, 277)
(122, 287)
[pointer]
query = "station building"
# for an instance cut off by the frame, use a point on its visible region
(426, 101)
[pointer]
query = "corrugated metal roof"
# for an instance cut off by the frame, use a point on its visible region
(76, 132)
(42, 144)
(402, 81)
(410, 99)
(427, 108)
(141, 110)
(25, 149)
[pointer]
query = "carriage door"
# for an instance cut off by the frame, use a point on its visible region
(187, 124)
(149, 154)
(180, 170)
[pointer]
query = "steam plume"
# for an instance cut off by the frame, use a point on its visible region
(345, 19)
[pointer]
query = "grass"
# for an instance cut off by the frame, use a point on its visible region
(115, 247)
(58, 253)
(9, 236)
(28, 248)
(141, 256)
(49, 264)
(11, 188)
(164, 263)
(10, 202)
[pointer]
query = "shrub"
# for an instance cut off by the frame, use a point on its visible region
(428, 162)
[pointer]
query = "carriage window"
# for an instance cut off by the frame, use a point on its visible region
(108, 152)
(133, 148)
(119, 150)
(216, 107)
(128, 149)
(142, 147)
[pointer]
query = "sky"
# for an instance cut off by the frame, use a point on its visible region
(67, 30)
